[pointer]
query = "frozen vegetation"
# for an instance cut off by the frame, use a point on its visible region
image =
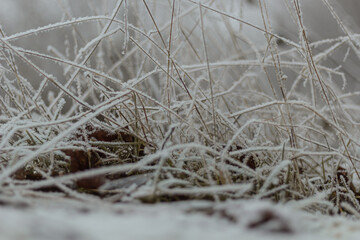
(179, 119)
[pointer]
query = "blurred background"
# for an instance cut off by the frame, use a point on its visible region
(223, 35)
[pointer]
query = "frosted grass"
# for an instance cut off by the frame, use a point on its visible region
(220, 116)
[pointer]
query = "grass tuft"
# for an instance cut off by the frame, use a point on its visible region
(174, 100)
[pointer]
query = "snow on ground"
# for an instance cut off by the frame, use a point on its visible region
(184, 220)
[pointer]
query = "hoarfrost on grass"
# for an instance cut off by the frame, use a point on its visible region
(179, 93)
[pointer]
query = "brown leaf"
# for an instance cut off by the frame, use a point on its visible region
(81, 160)
(266, 217)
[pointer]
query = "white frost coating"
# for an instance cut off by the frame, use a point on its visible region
(355, 181)
(270, 179)
(316, 117)
(54, 27)
(94, 41)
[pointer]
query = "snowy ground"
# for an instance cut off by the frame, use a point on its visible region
(186, 220)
